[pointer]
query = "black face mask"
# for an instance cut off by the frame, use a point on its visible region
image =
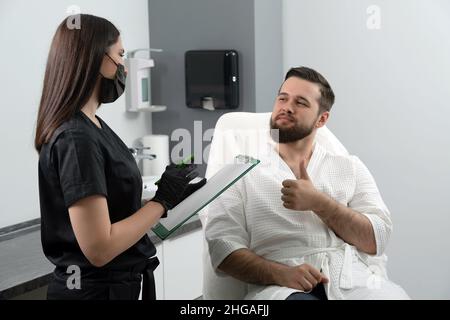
(112, 89)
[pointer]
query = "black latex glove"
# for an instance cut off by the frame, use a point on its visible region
(174, 186)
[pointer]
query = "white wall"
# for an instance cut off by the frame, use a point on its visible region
(268, 52)
(392, 89)
(26, 30)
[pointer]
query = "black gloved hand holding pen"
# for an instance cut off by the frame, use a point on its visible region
(174, 186)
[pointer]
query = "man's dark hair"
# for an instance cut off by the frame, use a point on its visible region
(326, 93)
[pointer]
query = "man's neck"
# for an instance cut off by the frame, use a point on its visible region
(294, 152)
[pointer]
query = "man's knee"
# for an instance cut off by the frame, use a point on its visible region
(302, 296)
(395, 292)
(386, 291)
(318, 293)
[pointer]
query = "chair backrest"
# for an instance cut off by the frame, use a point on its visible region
(232, 134)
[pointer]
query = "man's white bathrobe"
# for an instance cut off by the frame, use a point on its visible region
(250, 214)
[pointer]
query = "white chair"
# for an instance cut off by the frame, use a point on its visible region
(232, 134)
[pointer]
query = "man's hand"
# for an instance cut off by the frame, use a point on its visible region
(351, 226)
(303, 277)
(301, 194)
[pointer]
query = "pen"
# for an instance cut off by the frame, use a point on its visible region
(182, 164)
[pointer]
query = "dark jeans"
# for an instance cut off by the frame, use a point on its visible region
(318, 293)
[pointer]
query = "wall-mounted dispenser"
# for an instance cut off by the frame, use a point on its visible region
(138, 86)
(212, 79)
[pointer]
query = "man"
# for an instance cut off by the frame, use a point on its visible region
(304, 224)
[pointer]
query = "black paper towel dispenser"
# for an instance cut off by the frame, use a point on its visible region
(212, 79)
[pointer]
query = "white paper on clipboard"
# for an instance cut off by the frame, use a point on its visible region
(216, 185)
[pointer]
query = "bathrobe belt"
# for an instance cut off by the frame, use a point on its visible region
(346, 277)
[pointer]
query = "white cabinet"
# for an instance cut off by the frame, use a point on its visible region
(179, 275)
(182, 264)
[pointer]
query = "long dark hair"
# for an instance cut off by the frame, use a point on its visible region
(72, 71)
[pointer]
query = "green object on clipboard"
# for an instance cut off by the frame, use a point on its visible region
(185, 161)
(214, 187)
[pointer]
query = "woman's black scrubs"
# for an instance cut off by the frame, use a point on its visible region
(82, 160)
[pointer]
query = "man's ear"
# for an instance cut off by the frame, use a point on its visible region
(323, 118)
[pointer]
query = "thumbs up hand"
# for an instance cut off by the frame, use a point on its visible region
(301, 194)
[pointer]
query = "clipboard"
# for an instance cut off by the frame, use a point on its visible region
(214, 187)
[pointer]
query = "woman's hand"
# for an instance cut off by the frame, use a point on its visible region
(174, 186)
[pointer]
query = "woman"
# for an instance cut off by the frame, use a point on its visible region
(92, 224)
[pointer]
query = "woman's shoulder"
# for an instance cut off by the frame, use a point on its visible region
(74, 129)
(73, 125)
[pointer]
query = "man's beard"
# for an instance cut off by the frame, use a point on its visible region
(290, 134)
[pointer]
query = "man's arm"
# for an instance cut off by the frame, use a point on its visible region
(351, 226)
(247, 266)
(228, 242)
